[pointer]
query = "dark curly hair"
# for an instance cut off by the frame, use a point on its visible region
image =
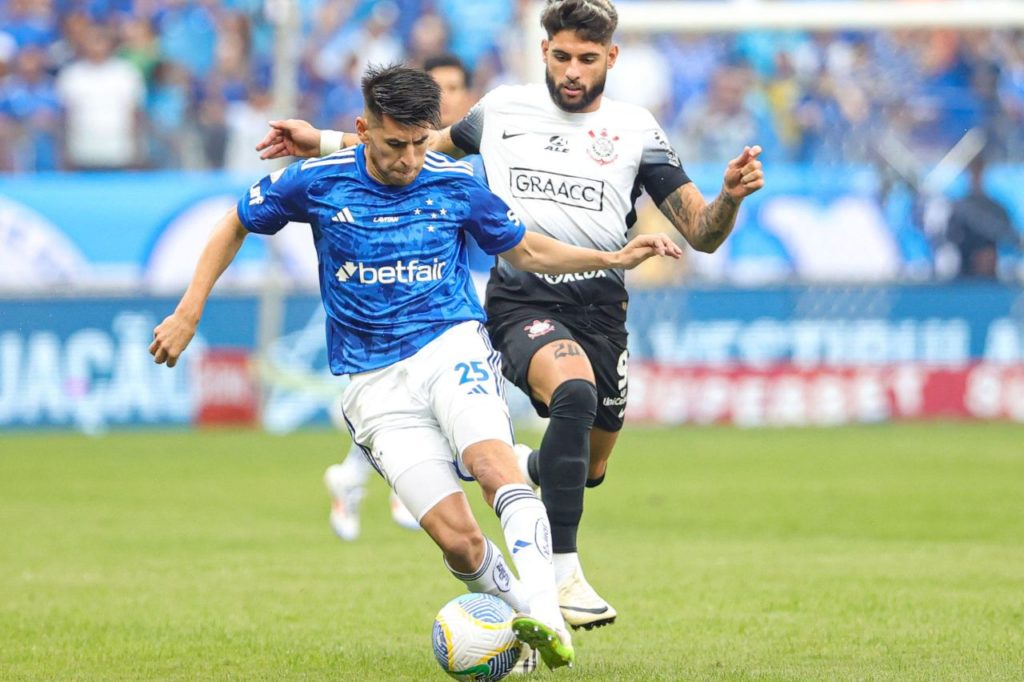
(593, 20)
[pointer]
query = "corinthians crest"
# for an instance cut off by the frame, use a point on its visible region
(602, 149)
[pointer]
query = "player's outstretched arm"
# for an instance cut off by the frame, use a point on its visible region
(295, 137)
(705, 226)
(173, 335)
(547, 256)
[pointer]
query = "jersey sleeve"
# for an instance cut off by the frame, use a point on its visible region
(467, 133)
(495, 227)
(276, 200)
(661, 172)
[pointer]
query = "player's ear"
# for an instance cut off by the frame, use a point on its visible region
(544, 50)
(613, 54)
(361, 127)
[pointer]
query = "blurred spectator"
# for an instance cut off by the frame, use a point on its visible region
(428, 37)
(102, 97)
(139, 46)
(978, 224)
(188, 34)
(373, 42)
(167, 107)
(453, 77)
(28, 102)
(476, 26)
(31, 22)
(630, 80)
(246, 121)
(718, 125)
(213, 131)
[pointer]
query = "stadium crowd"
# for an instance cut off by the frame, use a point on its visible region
(87, 84)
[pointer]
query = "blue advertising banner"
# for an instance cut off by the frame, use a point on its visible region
(83, 362)
(812, 224)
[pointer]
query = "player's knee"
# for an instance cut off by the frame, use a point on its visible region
(493, 467)
(574, 399)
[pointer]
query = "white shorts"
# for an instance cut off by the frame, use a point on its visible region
(429, 408)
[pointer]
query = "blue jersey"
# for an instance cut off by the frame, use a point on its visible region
(393, 261)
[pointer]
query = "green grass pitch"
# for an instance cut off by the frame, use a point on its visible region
(861, 553)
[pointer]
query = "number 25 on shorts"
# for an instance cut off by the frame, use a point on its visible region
(472, 371)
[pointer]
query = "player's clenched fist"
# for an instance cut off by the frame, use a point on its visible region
(645, 246)
(170, 339)
(744, 175)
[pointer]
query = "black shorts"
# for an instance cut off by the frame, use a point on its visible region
(520, 331)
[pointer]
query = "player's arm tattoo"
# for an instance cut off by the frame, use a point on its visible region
(567, 349)
(705, 226)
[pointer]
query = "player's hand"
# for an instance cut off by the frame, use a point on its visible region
(291, 137)
(645, 246)
(170, 339)
(744, 175)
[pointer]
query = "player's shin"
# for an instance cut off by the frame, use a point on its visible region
(494, 577)
(528, 537)
(563, 459)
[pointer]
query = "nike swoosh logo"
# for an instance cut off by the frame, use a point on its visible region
(582, 609)
(506, 135)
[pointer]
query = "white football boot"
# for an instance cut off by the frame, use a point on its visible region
(345, 500)
(581, 606)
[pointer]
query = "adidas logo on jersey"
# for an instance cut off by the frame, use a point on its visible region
(401, 272)
(343, 216)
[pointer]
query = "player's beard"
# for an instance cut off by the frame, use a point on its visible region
(589, 94)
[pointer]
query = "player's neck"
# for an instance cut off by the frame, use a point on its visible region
(372, 170)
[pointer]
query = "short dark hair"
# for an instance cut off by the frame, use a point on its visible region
(409, 96)
(593, 20)
(448, 59)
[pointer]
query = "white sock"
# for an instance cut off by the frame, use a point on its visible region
(355, 469)
(565, 565)
(494, 577)
(528, 538)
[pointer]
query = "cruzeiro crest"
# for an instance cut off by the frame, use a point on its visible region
(602, 149)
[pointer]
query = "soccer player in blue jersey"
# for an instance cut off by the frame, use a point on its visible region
(346, 482)
(403, 321)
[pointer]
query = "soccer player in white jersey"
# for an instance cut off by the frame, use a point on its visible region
(424, 398)
(346, 482)
(571, 163)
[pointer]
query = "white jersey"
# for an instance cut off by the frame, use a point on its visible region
(571, 176)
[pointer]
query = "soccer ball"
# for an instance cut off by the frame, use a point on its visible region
(473, 638)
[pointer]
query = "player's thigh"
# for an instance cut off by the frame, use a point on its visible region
(554, 364)
(609, 358)
(529, 341)
(388, 418)
(467, 392)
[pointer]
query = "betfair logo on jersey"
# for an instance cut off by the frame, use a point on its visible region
(401, 272)
(568, 190)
